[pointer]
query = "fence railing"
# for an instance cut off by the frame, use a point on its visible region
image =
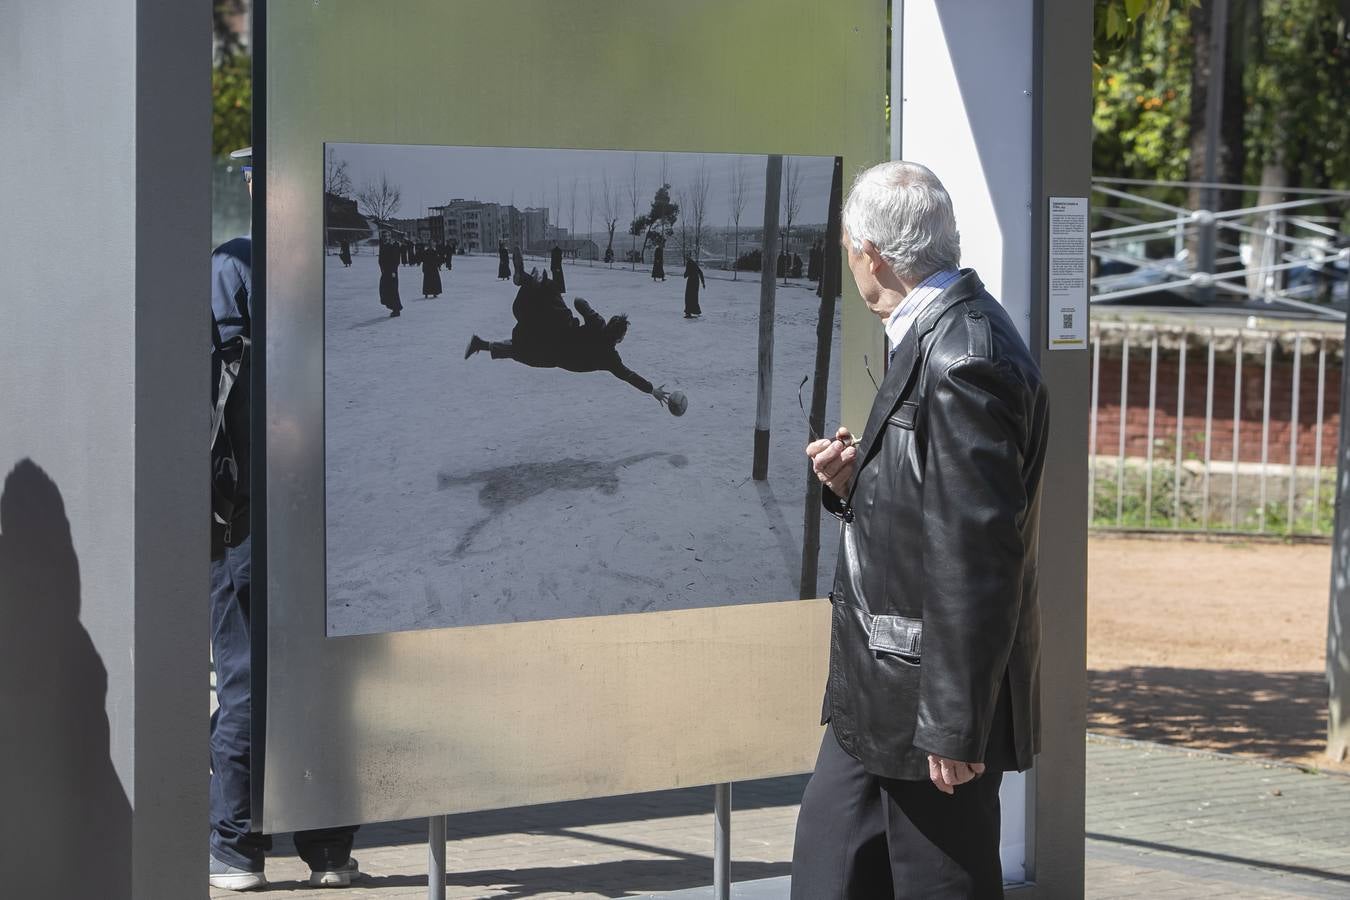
(1213, 429)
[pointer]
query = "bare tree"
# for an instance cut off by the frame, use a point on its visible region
(572, 212)
(737, 196)
(609, 211)
(698, 206)
(681, 200)
(792, 204)
(633, 189)
(336, 180)
(590, 214)
(380, 198)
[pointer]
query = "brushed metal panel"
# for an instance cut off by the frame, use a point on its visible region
(409, 724)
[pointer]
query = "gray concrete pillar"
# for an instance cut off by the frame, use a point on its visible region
(104, 250)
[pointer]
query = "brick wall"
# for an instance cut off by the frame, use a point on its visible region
(1193, 425)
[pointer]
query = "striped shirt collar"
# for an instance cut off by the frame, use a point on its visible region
(914, 303)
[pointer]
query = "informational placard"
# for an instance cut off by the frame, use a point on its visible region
(1067, 277)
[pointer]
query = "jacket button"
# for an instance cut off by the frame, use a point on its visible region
(848, 514)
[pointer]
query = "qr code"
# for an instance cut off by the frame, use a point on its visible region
(1068, 319)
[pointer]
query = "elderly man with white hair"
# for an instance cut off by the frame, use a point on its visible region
(934, 647)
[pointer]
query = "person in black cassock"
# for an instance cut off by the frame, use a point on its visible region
(693, 276)
(449, 256)
(548, 336)
(389, 254)
(345, 253)
(503, 262)
(813, 263)
(431, 272)
(555, 264)
(659, 263)
(796, 265)
(782, 264)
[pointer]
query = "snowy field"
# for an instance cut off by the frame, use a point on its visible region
(466, 492)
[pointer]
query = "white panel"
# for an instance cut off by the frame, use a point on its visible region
(967, 114)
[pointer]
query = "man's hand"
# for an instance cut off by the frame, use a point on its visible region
(833, 460)
(661, 394)
(946, 774)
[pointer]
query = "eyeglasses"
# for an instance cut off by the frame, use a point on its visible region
(801, 403)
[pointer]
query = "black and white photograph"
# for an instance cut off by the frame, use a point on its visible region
(560, 383)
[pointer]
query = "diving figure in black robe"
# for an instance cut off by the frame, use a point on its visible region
(548, 336)
(389, 259)
(693, 276)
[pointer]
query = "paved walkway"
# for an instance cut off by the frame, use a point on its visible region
(1162, 823)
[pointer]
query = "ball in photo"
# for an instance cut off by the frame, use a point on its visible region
(678, 403)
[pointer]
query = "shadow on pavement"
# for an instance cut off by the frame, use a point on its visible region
(558, 818)
(1308, 871)
(618, 878)
(1276, 715)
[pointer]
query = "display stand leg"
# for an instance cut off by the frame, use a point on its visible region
(436, 858)
(722, 841)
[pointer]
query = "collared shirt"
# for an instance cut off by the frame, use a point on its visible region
(915, 302)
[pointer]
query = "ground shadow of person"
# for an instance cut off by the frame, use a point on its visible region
(506, 486)
(66, 828)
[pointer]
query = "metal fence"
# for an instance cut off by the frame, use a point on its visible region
(1202, 466)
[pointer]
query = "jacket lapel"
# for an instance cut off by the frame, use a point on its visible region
(904, 368)
(898, 378)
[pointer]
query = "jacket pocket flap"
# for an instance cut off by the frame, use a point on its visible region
(904, 416)
(896, 634)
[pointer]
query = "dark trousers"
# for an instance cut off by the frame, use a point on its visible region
(861, 837)
(232, 839)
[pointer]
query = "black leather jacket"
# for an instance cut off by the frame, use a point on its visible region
(935, 628)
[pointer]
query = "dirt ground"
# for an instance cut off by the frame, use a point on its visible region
(1217, 646)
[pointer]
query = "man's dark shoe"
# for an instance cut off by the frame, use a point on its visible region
(339, 877)
(475, 344)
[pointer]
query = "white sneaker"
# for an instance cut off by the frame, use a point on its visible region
(340, 877)
(232, 878)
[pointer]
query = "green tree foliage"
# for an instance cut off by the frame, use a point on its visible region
(1299, 93)
(1142, 99)
(232, 96)
(1295, 92)
(231, 80)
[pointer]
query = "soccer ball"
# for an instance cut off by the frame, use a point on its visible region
(678, 403)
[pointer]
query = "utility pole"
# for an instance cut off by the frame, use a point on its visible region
(820, 383)
(1338, 616)
(1207, 242)
(773, 185)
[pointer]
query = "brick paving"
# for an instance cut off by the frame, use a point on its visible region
(1161, 823)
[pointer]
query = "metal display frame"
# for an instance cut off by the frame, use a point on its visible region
(376, 727)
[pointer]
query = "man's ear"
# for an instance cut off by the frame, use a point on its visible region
(875, 261)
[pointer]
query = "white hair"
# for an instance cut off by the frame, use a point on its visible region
(903, 209)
